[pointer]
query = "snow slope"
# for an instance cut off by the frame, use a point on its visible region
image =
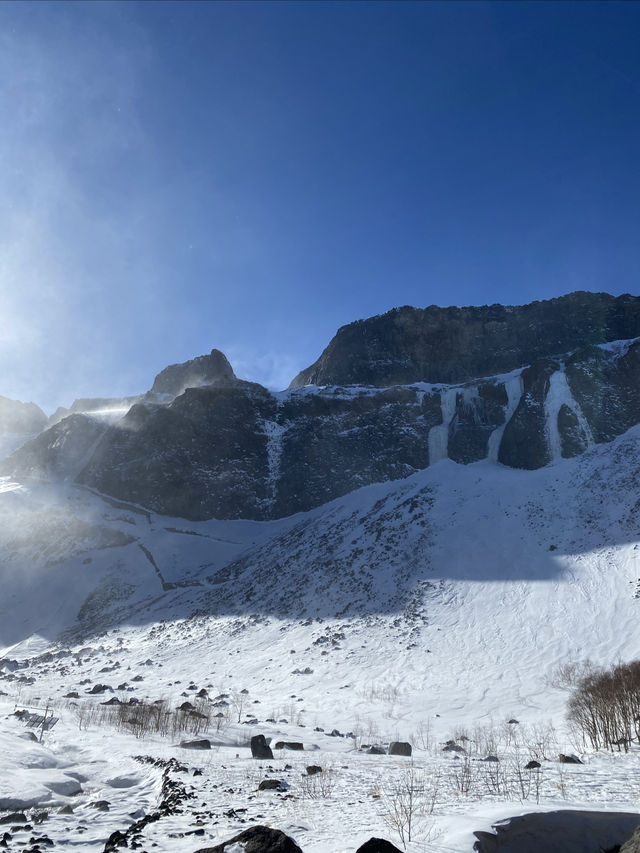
(417, 610)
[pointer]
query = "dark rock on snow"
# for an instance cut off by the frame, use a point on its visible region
(257, 839)
(289, 744)
(260, 748)
(398, 747)
(204, 743)
(568, 759)
(378, 845)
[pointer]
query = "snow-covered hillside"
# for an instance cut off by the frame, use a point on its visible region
(412, 610)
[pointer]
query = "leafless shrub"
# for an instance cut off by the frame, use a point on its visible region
(318, 785)
(604, 707)
(568, 675)
(403, 802)
(422, 737)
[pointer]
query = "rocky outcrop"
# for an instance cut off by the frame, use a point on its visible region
(205, 370)
(454, 345)
(203, 455)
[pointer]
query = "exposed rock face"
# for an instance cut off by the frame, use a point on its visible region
(453, 345)
(20, 418)
(204, 455)
(524, 442)
(231, 449)
(204, 370)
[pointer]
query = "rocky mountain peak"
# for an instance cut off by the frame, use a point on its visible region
(453, 344)
(205, 370)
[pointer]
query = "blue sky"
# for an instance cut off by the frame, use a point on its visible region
(250, 176)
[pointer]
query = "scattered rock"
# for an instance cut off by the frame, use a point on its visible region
(312, 769)
(568, 759)
(288, 744)
(272, 785)
(204, 743)
(15, 817)
(260, 748)
(398, 747)
(99, 688)
(375, 750)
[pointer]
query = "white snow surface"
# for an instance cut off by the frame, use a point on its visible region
(433, 608)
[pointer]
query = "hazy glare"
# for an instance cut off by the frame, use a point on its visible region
(249, 176)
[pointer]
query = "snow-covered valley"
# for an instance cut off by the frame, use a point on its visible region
(425, 610)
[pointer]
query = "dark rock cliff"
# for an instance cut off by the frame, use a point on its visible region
(452, 345)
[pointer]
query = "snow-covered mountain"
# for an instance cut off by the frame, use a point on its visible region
(405, 563)
(204, 444)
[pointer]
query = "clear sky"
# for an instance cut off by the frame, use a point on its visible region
(179, 176)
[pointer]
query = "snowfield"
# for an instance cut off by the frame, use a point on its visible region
(427, 610)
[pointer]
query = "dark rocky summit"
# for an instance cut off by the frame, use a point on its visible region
(454, 345)
(205, 370)
(227, 448)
